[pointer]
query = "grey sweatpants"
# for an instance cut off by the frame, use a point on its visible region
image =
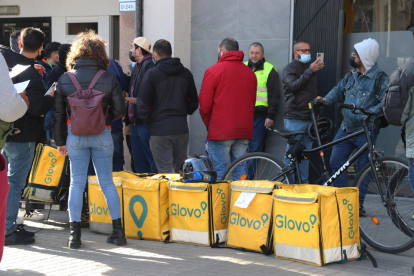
(169, 151)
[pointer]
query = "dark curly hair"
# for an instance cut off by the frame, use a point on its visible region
(88, 45)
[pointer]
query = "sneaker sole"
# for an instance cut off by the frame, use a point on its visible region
(74, 245)
(118, 242)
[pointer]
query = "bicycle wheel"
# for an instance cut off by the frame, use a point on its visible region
(387, 226)
(258, 166)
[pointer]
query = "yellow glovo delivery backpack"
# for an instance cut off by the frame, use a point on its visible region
(199, 212)
(49, 176)
(250, 221)
(100, 218)
(146, 206)
(316, 224)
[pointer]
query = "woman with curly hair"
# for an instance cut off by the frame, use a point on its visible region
(86, 61)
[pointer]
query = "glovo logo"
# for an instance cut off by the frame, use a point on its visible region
(284, 222)
(138, 222)
(350, 208)
(223, 213)
(49, 175)
(176, 210)
(98, 210)
(236, 219)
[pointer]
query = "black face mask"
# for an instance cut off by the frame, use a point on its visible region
(353, 63)
(131, 57)
(255, 64)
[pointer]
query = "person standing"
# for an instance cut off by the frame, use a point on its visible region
(13, 106)
(227, 99)
(365, 87)
(267, 96)
(301, 87)
(87, 61)
(15, 39)
(140, 136)
(167, 95)
(60, 68)
(19, 148)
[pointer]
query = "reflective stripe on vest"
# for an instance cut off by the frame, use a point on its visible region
(262, 75)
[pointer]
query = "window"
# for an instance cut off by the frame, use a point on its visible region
(75, 28)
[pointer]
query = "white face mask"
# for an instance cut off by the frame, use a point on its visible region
(305, 58)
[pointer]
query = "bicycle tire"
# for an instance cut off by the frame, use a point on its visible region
(259, 161)
(384, 219)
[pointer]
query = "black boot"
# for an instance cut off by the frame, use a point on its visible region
(118, 235)
(74, 241)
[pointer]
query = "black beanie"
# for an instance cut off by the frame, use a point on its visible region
(63, 53)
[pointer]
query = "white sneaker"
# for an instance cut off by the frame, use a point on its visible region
(35, 215)
(19, 220)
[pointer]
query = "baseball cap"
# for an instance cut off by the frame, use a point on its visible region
(144, 43)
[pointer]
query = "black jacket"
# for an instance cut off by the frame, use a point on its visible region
(138, 74)
(273, 95)
(85, 70)
(301, 87)
(31, 124)
(54, 74)
(167, 94)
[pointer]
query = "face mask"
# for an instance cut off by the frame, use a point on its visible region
(304, 58)
(255, 64)
(352, 62)
(131, 57)
(219, 56)
(153, 60)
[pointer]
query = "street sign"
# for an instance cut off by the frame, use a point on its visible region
(127, 6)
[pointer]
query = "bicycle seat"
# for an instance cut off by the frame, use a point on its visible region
(289, 134)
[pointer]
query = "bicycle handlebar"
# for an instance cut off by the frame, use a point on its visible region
(354, 108)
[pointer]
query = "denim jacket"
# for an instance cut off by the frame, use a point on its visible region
(359, 91)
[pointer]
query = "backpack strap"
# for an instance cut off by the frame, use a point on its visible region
(74, 80)
(96, 78)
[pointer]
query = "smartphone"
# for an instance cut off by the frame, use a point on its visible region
(319, 56)
(51, 88)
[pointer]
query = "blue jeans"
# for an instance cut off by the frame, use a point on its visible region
(118, 159)
(256, 144)
(341, 153)
(80, 150)
(19, 157)
(292, 125)
(143, 160)
(219, 151)
(411, 173)
(48, 126)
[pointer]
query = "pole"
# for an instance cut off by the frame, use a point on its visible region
(138, 18)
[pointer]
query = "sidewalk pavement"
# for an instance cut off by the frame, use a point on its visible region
(50, 256)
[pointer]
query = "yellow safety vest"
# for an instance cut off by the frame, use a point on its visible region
(262, 75)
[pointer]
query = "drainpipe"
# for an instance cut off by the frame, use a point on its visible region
(138, 18)
(292, 14)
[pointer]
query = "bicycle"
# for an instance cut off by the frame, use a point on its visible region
(389, 201)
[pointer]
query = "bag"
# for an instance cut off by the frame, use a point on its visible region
(199, 212)
(251, 228)
(5, 129)
(146, 206)
(316, 224)
(49, 176)
(100, 218)
(87, 117)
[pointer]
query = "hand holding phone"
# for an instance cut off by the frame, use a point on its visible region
(51, 91)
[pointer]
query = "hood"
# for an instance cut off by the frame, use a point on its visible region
(63, 53)
(170, 66)
(12, 58)
(14, 45)
(232, 56)
(368, 51)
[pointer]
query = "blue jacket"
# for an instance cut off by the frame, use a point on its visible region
(116, 70)
(359, 91)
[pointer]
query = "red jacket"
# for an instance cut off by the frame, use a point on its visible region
(227, 98)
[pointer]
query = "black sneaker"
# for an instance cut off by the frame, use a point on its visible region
(23, 232)
(16, 238)
(362, 212)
